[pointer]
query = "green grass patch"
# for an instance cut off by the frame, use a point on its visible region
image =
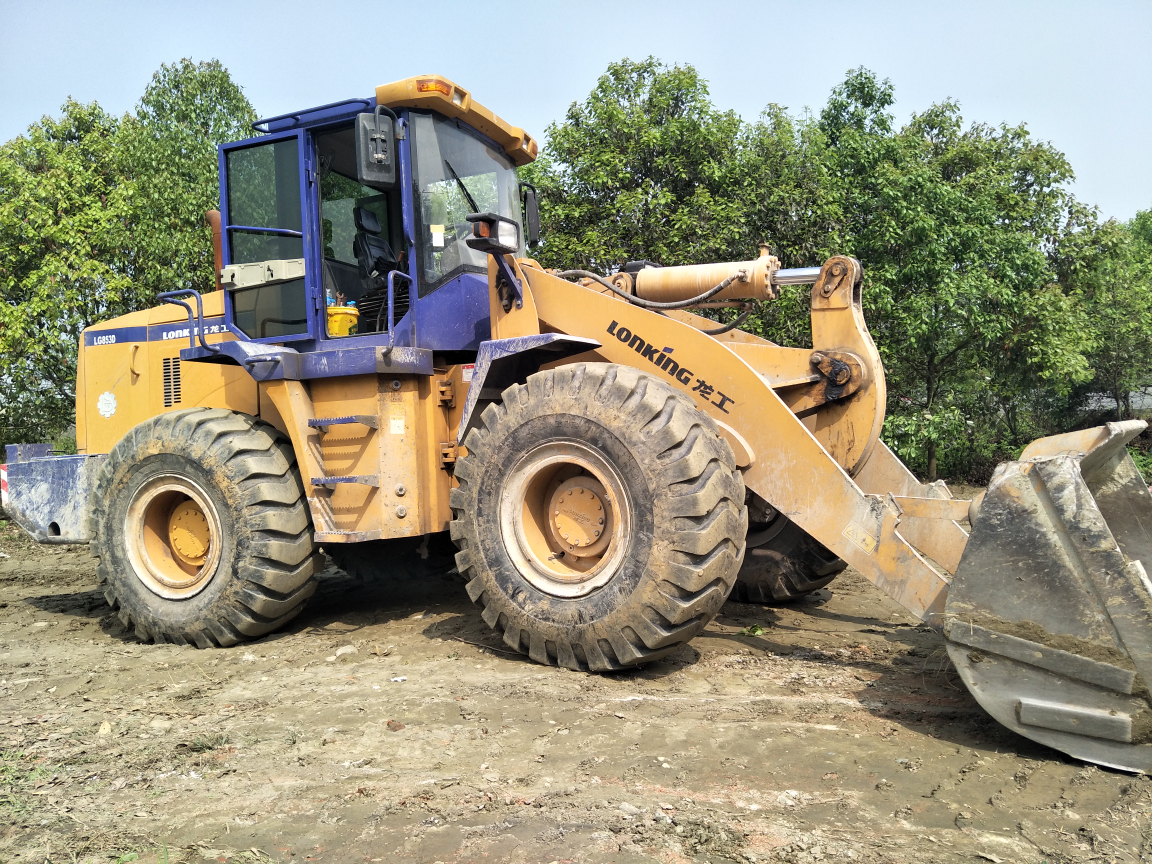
(1143, 462)
(208, 743)
(18, 776)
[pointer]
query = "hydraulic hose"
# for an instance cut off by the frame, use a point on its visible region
(739, 275)
(736, 322)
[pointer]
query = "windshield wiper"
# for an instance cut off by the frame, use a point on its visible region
(463, 188)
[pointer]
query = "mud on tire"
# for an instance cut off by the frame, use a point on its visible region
(243, 473)
(782, 562)
(687, 521)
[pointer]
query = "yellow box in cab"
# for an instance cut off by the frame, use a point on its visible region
(342, 320)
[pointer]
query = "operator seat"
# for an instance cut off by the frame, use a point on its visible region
(373, 254)
(376, 260)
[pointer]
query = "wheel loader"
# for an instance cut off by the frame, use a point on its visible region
(383, 372)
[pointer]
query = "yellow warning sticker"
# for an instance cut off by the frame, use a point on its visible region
(861, 537)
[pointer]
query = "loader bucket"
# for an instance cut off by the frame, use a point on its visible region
(1049, 616)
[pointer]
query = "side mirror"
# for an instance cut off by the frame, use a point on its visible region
(531, 213)
(376, 149)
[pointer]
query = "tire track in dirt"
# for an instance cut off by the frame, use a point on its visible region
(369, 730)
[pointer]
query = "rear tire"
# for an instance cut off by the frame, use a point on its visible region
(782, 562)
(202, 530)
(651, 540)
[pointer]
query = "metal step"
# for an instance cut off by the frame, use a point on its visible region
(348, 536)
(362, 479)
(364, 419)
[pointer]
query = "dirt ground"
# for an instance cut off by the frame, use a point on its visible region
(387, 724)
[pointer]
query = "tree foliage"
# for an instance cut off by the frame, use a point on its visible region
(97, 215)
(167, 148)
(996, 300)
(1112, 277)
(956, 226)
(643, 168)
(62, 262)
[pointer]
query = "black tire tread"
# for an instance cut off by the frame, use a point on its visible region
(276, 562)
(791, 565)
(699, 517)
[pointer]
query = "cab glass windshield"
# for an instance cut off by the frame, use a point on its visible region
(456, 173)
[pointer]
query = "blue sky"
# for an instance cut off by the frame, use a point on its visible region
(1079, 74)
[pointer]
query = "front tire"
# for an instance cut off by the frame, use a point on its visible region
(783, 562)
(202, 530)
(600, 517)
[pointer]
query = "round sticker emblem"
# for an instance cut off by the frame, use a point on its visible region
(106, 404)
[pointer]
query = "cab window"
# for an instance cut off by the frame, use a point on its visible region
(265, 224)
(264, 193)
(360, 242)
(456, 173)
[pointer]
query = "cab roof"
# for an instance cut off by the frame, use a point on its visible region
(433, 92)
(450, 99)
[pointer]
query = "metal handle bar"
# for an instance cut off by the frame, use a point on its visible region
(256, 229)
(195, 319)
(295, 116)
(392, 308)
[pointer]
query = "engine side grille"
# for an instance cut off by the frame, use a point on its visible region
(171, 381)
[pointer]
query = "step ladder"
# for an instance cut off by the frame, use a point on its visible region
(323, 516)
(322, 423)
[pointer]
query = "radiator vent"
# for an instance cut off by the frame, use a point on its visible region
(171, 381)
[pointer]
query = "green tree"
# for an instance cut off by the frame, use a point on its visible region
(1111, 273)
(97, 215)
(957, 230)
(792, 202)
(645, 167)
(167, 147)
(1141, 228)
(961, 230)
(62, 263)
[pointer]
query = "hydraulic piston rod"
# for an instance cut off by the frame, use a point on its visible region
(796, 276)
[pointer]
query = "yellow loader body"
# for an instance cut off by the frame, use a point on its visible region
(593, 448)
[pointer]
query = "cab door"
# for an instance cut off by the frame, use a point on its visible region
(263, 201)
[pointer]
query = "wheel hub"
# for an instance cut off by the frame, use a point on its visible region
(577, 516)
(188, 533)
(173, 536)
(565, 517)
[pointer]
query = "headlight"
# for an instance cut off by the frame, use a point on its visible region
(492, 233)
(508, 234)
